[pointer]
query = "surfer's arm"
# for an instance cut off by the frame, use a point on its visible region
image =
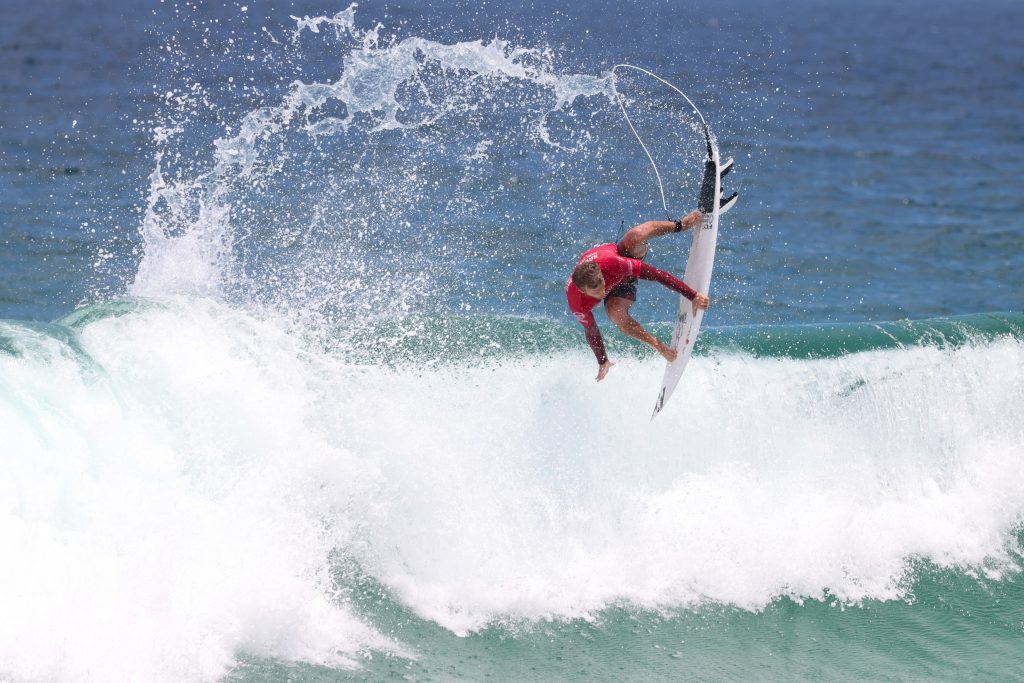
(699, 299)
(649, 272)
(596, 342)
(583, 313)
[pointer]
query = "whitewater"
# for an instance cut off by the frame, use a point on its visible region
(189, 481)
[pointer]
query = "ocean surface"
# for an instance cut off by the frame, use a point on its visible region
(289, 390)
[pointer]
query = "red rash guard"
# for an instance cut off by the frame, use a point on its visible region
(615, 270)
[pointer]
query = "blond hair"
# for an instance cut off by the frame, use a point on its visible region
(587, 275)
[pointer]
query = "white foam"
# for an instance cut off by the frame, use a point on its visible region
(181, 505)
(526, 491)
(174, 511)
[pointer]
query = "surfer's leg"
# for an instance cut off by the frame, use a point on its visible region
(618, 301)
(617, 304)
(634, 243)
(617, 308)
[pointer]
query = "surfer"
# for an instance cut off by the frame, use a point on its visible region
(609, 273)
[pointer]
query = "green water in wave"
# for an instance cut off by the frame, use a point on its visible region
(833, 340)
(431, 340)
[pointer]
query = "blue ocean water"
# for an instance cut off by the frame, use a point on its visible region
(289, 390)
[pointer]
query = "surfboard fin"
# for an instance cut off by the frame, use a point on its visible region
(726, 204)
(724, 168)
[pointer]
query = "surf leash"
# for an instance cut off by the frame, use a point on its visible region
(622, 106)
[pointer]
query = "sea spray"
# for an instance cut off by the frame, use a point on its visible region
(309, 202)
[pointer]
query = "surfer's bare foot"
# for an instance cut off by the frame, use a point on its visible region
(691, 219)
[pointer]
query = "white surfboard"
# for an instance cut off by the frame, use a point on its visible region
(698, 269)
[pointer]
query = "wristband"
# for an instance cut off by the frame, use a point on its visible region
(679, 225)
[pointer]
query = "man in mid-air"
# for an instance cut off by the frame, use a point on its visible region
(609, 273)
